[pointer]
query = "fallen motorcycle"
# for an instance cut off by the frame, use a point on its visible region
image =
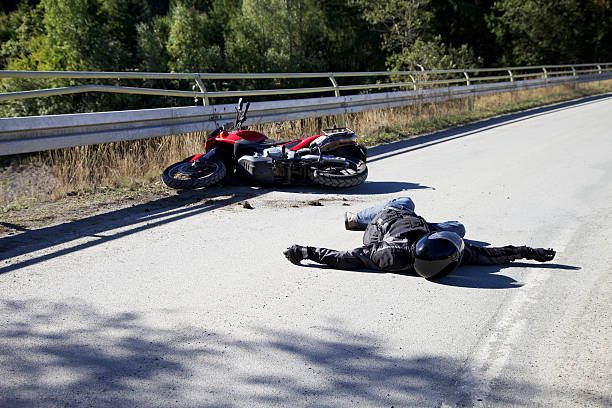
(331, 159)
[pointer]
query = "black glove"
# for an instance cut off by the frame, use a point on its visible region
(540, 254)
(295, 253)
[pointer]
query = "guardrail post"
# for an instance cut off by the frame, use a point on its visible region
(200, 83)
(545, 72)
(414, 82)
(511, 75)
(341, 118)
(599, 68)
(574, 74)
(334, 83)
(470, 99)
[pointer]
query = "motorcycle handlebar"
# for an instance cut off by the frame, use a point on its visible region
(214, 132)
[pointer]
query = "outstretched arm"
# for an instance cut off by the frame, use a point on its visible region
(380, 256)
(475, 255)
(348, 260)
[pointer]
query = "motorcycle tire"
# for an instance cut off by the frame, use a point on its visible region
(336, 177)
(182, 176)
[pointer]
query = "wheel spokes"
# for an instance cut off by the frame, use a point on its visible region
(186, 171)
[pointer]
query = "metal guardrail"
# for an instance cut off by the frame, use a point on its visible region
(29, 134)
(416, 80)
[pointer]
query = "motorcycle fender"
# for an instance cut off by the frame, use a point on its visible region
(196, 157)
(206, 156)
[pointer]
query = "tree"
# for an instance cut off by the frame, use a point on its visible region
(77, 37)
(122, 18)
(63, 35)
(17, 29)
(152, 37)
(189, 46)
(552, 31)
(431, 55)
(277, 36)
(408, 32)
(348, 43)
(464, 22)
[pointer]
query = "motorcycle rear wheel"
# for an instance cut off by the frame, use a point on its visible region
(339, 177)
(183, 176)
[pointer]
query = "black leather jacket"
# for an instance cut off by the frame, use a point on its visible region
(388, 241)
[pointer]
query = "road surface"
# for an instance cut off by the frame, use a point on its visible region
(195, 305)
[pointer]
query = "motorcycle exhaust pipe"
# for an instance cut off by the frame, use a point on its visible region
(325, 158)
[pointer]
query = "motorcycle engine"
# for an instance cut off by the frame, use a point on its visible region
(279, 153)
(256, 168)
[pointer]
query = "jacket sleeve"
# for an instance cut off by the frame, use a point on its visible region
(380, 256)
(348, 260)
(475, 255)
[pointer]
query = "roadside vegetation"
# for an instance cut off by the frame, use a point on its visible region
(264, 36)
(126, 169)
(279, 36)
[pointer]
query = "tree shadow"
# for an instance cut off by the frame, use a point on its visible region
(149, 215)
(136, 218)
(61, 354)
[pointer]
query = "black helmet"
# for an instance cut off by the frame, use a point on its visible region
(437, 253)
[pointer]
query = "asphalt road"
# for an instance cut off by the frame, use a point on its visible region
(194, 305)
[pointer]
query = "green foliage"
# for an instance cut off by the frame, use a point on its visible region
(410, 39)
(152, 38)
(189, 46)
(401, 22)
(77, 38)
(62, 35)
(552, 31)
(460, 22)
(433, 54)
(122, 19)
(281, 36)
(276, 36)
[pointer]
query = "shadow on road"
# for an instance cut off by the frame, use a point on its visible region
(472, 276)
(420, 142)
(153, 214)
(70, 354)
(486, 277)
(369, 187)
(141, 217)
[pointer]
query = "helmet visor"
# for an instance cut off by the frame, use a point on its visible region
(450, 237)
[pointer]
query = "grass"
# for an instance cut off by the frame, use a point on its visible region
(122, 168)
(415, 120)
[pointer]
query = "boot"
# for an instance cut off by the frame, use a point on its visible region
(350, 222)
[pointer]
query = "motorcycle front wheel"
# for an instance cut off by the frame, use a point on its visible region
(330, 175)
(184, 176)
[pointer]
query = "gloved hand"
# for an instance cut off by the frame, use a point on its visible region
(295, 253)
(540, 254)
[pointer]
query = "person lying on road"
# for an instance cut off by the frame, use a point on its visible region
(396, 239)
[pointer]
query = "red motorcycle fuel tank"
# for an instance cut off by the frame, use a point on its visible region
(231, 137)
